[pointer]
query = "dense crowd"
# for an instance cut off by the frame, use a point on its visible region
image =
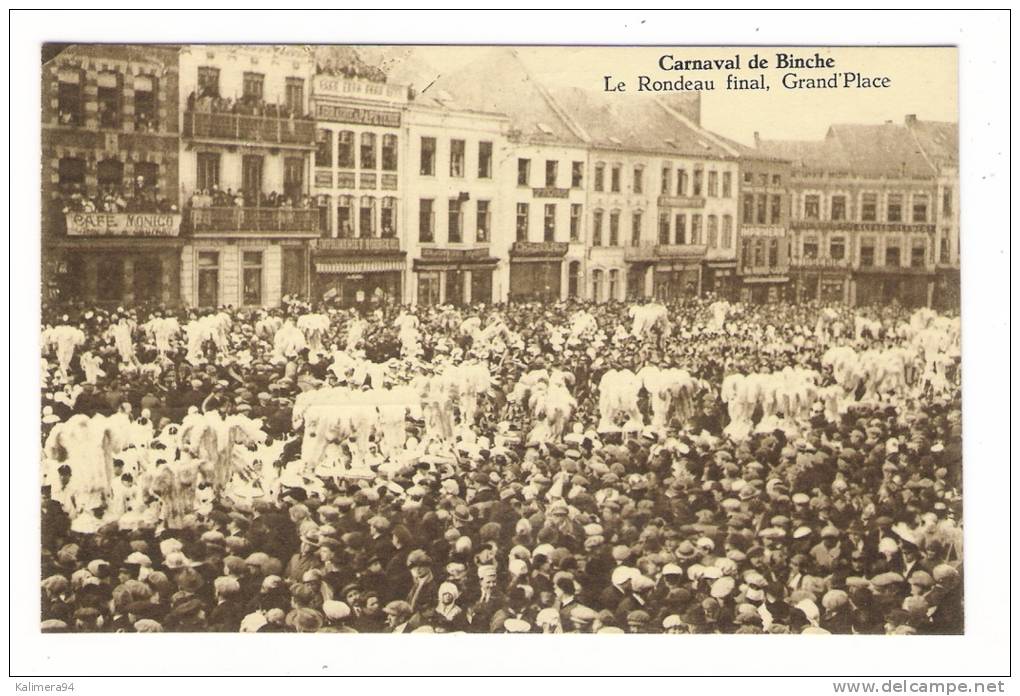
(141, 197)
(209, 101)
(216, 197)
(502, 469)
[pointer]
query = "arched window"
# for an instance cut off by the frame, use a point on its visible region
(368, 160)
(573, 278)
(389, 153)
(345, 216)
(713, 232)
(388, 217)
(596, 285)
(614, 284)
(71, 172)
(324, 204)
(323, 148)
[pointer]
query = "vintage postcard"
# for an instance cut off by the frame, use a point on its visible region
(500, 339)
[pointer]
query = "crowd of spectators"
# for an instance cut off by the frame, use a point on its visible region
(851, 525)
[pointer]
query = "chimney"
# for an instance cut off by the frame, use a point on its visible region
(910, 119)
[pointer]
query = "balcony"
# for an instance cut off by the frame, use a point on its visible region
(283, 132)
(550, 192)
(255, 221)
(819, 263)
(848, 226)
(681, 202)
(359, 245)
(681, 251)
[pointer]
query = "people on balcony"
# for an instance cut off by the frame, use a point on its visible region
(351, 69)
(218, 198)
(244, 106)
(137, 198)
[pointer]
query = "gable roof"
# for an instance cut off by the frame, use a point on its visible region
(887, 149)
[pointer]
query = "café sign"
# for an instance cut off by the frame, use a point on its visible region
(357, 115)
(123, 224)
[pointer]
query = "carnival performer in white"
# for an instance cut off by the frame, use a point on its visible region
(314, 327)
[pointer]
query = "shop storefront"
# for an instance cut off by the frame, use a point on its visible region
(536, 270)
(243, 273)
(114, 258)
(454, 276)
(764, 289)
(882, 287)
(675, 281)
(720, 278)
(351, 272)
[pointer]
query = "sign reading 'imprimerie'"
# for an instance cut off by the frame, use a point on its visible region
(351, 114)
(123, 224)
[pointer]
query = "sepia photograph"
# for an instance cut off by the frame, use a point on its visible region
(426, 339)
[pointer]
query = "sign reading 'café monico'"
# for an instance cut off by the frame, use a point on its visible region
(123, 224)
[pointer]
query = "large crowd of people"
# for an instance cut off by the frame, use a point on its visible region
(141, 197)
(693, 467)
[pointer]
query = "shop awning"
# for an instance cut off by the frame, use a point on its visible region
(359, 266)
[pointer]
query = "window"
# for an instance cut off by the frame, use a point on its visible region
(614, 284)
(345, 150)
(748, 177)
(727, 232)
(253, 86)
(208, 170)
(252, 281)
(727, 184)
(549, 225)
(426, 221)
(944, 247)
(522, 222)
(748, 208)
(295, 95)
(208, 82)
(428, 157)
(867, 252)
(600, 176)
(324, 203)
(869, 207)
(892, 254)
(811, 206)
(457, 158)
(389, 152)
(838, 208)
(69, 101)
(759, 253)
(894, 208)
(146, 175)
(763, 179)
(596, 285)
(696, 186)
(776, 210)
(666, 178)
(575, 222)
(635, 229)
(614, 178)
(428, 288)
(294, 178)
(551, 170)
(323, 148)
(485, 160)
(576, 174)
(388, 218)
(810, 248)
(713, 231)
(483, 222)
(614, 228)
(146, 113)
(762, 203)
(920, 208)
(776, 179)
(680, 233)
(837, 248)
(639, 183)
(71, 172)
(110, 279)
(663, 228)
(345, 216)
(110, 174)
(596, 228)
(208, 278)
(523, 171)
(947, 201)
(696, 228)
(681, 182)
(918, 253)
(573, 279)
(108, 95)
(251, 174)
(455, 222)
(713, 184)
(366, 217)
(368, 160)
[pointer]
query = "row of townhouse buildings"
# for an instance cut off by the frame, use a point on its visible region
(230, 175)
